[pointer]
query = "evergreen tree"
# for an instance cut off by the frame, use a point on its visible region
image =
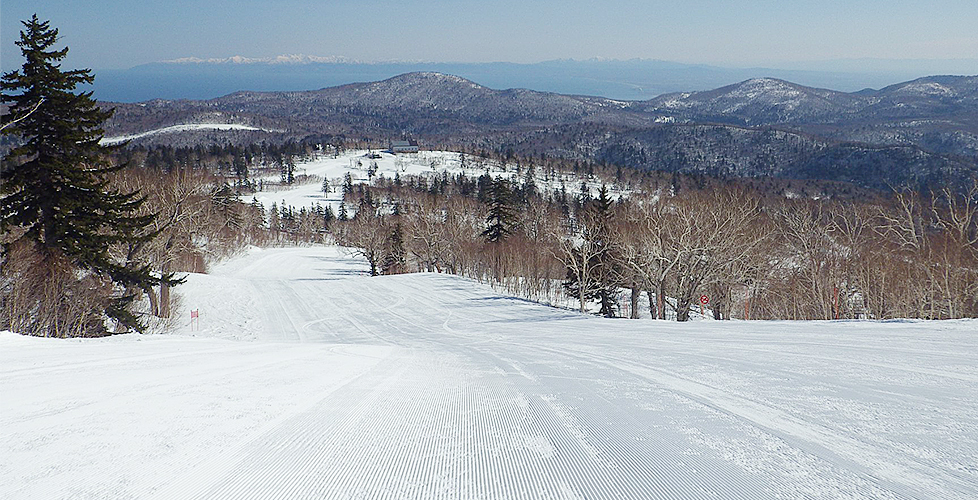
(54, 187)
(226, 201)
(394, 261)
(585, 198)
(529, 184)
(274, 221)
(257, 213)
(328, 217)
(240, 167)
(288, 170)
(596, 254)
(500, 221)
(286, 218)
(347, 186)
(609, 274)
(326, 186)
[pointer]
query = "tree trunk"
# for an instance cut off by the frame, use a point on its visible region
(164, 301)
(164, 294)
(154, 301)
(636, 292)
(660, 299)
(682, 309)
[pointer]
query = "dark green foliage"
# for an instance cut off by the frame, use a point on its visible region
(328, 217)
(601, 282)
(347, 186)
(394, 258)
(501, 220)
(225, 201)
(288, 170)
(55, 185)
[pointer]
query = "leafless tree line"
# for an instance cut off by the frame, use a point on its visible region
(908, 255)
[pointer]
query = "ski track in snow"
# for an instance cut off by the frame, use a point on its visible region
(314, 380)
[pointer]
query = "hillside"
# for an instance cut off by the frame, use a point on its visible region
(923, 132)
(308, 378)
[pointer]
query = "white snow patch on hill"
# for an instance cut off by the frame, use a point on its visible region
(429, 164)
(108, 141)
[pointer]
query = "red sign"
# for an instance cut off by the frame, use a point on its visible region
(193, 314)
(704, 300)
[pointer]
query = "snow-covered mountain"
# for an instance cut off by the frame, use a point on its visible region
(429, 102)
(923, 132)
(761, 101)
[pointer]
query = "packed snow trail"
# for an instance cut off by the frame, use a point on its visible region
(433, 386)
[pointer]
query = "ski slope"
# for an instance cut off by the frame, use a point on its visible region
(425, 164)
(308, 379)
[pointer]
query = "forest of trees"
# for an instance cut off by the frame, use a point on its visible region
(756, 254)
(904, 255)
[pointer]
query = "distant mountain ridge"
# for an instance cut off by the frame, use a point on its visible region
(282, 59)
(634, 79)
(925, 129)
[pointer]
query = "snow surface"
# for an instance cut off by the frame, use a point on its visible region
(108, 141)
(429, 164)
(309, 379)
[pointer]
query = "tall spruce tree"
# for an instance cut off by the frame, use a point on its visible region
(394, 257)
(609, 274)
(501, 219)
(55, 192)
(592, 273)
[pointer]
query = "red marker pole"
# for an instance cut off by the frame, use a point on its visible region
(704, 300)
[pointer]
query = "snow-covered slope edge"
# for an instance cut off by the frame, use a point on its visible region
(108, 141)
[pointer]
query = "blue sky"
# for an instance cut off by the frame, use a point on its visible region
(109, 34)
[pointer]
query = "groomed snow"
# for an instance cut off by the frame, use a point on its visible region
(308, 379)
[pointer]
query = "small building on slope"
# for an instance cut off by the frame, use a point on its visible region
(404, 147)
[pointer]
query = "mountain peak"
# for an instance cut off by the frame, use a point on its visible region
(431, 78)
